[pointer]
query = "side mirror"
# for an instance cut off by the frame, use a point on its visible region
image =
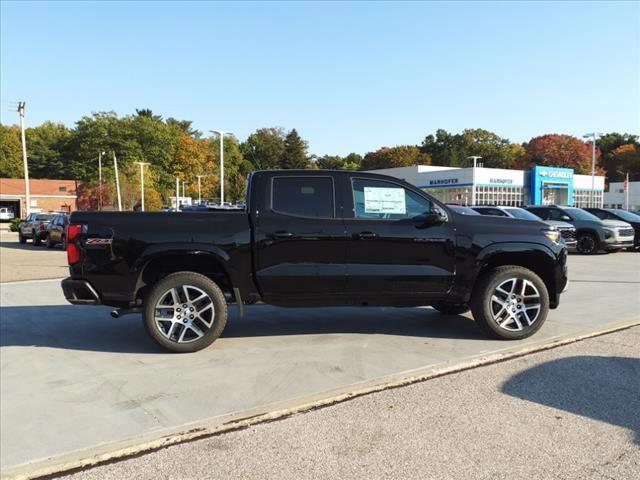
(434, 217)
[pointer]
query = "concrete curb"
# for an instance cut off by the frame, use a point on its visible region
(156, 440)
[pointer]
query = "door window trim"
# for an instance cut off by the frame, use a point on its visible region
(288, 214)
(420, 193)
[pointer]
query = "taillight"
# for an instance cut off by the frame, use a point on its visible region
(42, 227)
(73, 252)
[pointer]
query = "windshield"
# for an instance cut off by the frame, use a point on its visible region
(580, 214)
(523, 214)
(628, 216)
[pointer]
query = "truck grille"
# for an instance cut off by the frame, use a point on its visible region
(568, 234)
(626, 232)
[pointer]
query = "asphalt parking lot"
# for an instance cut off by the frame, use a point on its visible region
(77, 384)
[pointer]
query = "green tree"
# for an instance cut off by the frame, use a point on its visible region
(454, 149)
(264, 148)
(295, 151)
(45, 147)
(400, 156)
(608, 144)
(10, 152)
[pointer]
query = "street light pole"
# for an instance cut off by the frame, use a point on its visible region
(475, 159)
(142, 164)
(27, 195)
(593, 136)
(177, 193)
(199, 191)
(221, 133)
(100, 180)
(115, 167)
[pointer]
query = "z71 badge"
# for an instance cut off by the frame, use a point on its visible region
(98, 241)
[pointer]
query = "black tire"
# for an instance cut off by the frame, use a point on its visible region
(36, 240)
(482, 304)
(49, 243)
(451, 308)
(21, 237)
(587, 244)
(179, 279)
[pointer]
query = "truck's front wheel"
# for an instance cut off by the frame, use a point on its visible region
(185, 312)
(510, 302)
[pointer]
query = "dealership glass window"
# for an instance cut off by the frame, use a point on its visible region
(582, 198)
(498, 195)
(458, 195)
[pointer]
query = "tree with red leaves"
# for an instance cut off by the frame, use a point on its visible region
(560, 151)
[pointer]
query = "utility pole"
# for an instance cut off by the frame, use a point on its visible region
(27, 196)
(100, 180)
(142, 164)
(184, 195)
(593, 136)
(177, 193)
(475, 159)
(199, 191)
(115, 167)
(221, 133)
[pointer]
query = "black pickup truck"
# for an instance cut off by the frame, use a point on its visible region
(315, 238)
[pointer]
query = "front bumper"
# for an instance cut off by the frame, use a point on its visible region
(616, 244)
(80, 292)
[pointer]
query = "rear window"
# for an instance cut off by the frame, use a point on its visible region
(303, 196)
(43, 218)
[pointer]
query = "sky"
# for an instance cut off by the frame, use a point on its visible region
(350, 77)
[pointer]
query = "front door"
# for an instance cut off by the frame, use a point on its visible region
(391, 249)
(300, 240)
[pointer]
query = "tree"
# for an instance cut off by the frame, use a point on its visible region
(453, 150)
(264, 148)
(10, 152)
(607, 144)
(295, 151)
(45, 147)
(400, 156)
(559, 151)
(626, 159)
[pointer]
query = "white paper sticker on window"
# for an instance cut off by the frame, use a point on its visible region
(384, 200)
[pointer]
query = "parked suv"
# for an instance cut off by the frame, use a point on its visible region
(6, 214)
(622, 215)
(56, 230)
(567, 230)
(592, 233)
(34, 227)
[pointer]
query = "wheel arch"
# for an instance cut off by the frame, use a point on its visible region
(155, 265)
(535, 257)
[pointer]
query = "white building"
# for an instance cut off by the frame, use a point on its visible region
(496, 186)
(616, 197)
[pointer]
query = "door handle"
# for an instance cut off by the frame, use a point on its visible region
(365, 235)
(282, 234)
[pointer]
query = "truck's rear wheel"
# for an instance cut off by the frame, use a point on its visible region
(185, 312)
(510, 303)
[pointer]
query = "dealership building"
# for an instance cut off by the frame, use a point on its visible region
(46, 195)
(496, 186)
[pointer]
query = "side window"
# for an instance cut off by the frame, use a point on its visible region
(303, 196)
(543, 213)
(558, 214)
(496, 212)
(382, 200)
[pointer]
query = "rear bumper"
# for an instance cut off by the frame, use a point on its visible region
(80, 292)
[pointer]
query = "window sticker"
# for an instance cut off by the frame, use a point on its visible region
(384, 200)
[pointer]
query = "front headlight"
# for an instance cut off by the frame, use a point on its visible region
(608, 233)
(553, 235)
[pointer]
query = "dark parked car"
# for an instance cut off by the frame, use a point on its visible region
(56, 230)
(592, 233)
(462, 210)
(315, 238)
(34, 227)
(622, 215)
(567, 230)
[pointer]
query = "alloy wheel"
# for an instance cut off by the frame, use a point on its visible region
(184, 314)
(586, 244)
(515, 304)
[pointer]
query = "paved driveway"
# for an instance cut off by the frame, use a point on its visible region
(75, 379)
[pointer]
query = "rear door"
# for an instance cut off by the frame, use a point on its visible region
(391, 250)
(300, 239)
